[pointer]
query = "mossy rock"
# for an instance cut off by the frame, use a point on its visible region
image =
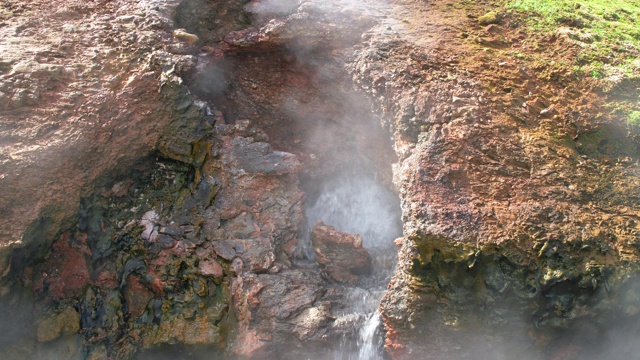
(489, 18)
(64, 323)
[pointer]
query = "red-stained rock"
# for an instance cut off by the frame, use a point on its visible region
(211, 268)
(340, 254)
(65, 273)
(157, 285)
(136, 295)
(107, 280)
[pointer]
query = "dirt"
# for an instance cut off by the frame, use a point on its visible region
(160, 173)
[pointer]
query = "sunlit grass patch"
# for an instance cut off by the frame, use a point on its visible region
(608, 31)
(634, 119)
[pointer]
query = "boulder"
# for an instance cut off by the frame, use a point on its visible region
(340, 254)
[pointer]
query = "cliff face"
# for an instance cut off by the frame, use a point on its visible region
(81, 96)
(155, 154)
(520, 233)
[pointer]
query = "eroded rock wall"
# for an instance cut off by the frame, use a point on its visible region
(519, 233)
(89, 91)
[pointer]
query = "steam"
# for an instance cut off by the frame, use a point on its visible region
(355, 203)
(213, 81)
(272, 7)
(334, 125)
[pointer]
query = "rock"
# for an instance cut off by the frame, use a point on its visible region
(136, 295)
(224, 249)
(67, 347)
(237, 265)
(489, 18)
(340, 254)
(66, 273)
(257, 254)
(198, 331)
(66, 155)
(211, 268)
(199, 199)
(54, 326)
(261, 159)
(99, 353)
(269, 306)
(242, 227)
(149, 221)
(482, 189)
(211, 225)
(311, 320)
(182, 34)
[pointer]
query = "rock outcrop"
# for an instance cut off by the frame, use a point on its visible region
(155, 220)
(518, 220)
(89, 93)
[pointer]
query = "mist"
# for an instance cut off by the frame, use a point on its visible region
(354, 202)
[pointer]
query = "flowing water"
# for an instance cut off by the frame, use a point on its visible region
(356, 203)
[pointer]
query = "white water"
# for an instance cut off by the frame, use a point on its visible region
(358, 204)
(369, 344)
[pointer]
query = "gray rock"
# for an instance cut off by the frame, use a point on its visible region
(261, 159)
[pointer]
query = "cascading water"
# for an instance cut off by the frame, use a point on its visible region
(354, 202)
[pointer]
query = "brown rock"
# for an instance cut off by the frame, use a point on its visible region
(199, 331)
(58, 154)
(66, 273)
(257, 254)
(340, 254)
(224, 250)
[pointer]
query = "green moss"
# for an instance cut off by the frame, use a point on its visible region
(634, 120)
(488, 18)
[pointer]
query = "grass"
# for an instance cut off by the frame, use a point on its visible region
(634, 119)
(608, 30)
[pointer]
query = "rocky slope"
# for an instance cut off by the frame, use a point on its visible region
(155, 154)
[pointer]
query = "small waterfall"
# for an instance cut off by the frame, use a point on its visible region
(370, 342)
(356, 203)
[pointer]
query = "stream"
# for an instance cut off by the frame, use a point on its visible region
(354, 202)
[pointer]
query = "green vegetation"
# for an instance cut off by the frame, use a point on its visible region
(634, 119)
(608, 30)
